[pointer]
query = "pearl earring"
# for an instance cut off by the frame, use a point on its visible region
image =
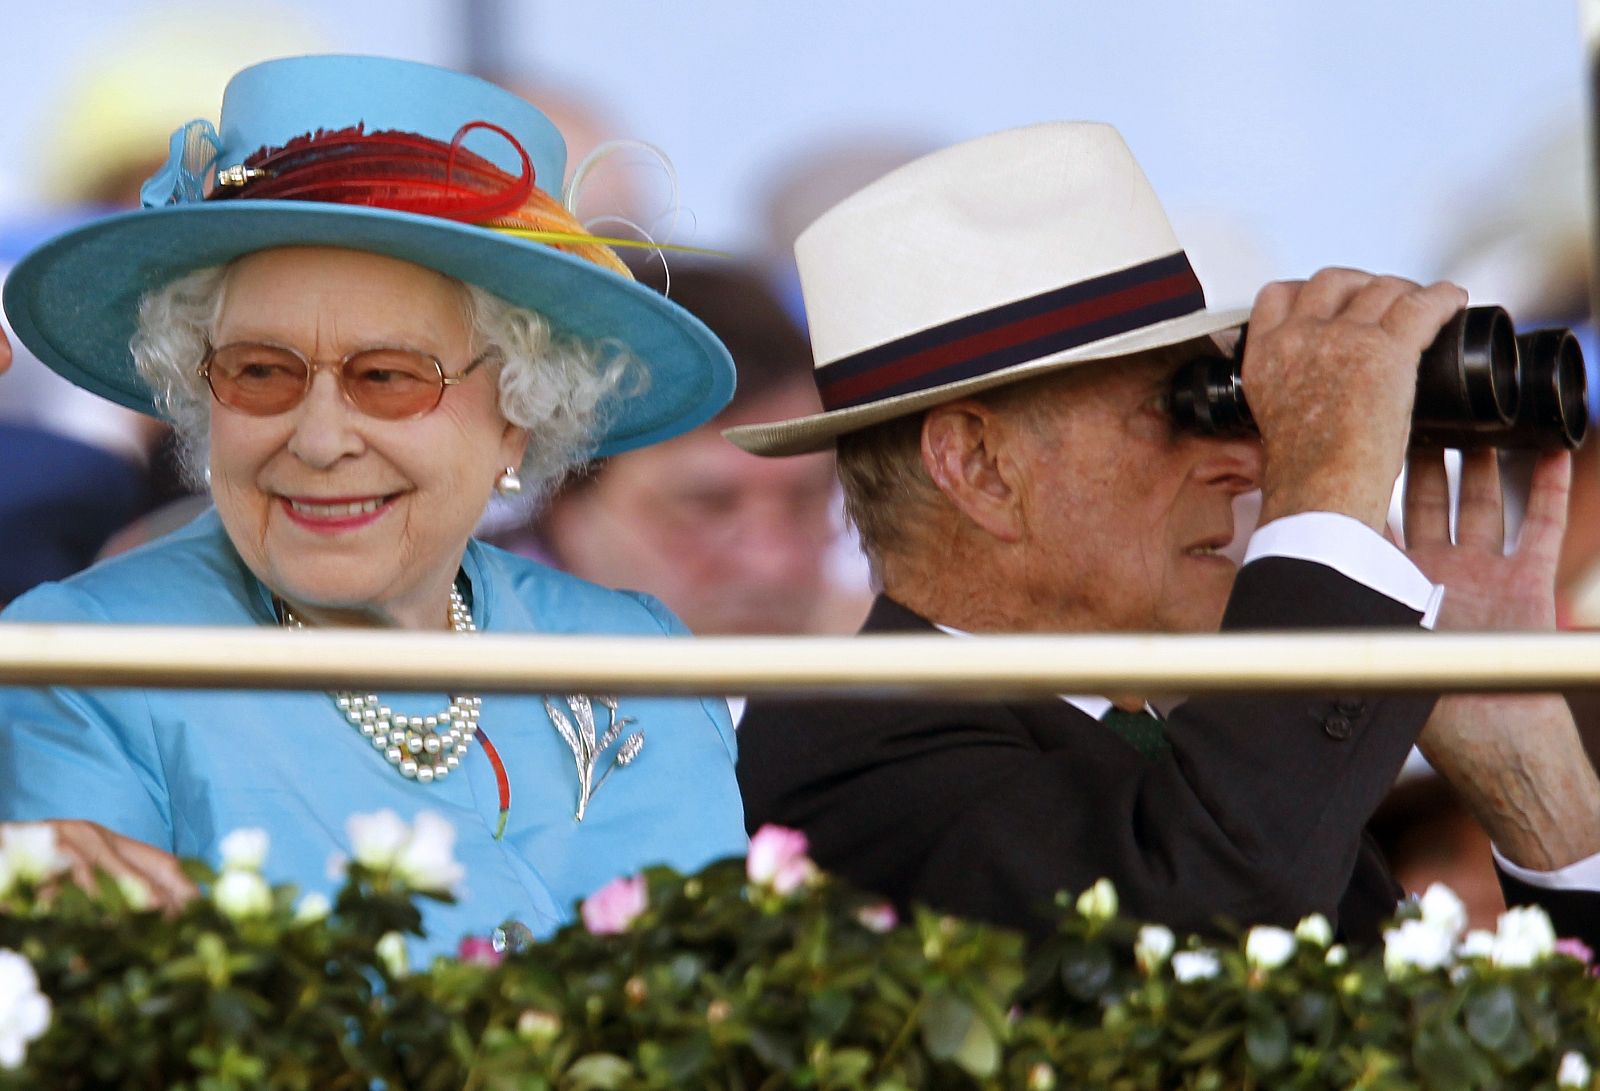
(508, 483)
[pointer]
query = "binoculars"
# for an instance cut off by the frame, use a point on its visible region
(1480, 384)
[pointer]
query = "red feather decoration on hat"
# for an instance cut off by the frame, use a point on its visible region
(389, 169)
(405, 172)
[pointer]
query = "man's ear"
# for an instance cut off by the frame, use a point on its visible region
(964, 449)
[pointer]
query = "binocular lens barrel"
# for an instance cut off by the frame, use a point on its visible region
(1468, 378)
(1478, 385)
(1555, 390)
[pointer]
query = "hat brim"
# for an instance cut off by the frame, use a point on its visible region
(818, 431)
(74, 301)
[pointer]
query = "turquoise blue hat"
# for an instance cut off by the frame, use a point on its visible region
(74, 300)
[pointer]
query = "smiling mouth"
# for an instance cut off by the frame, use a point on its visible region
(336, 509)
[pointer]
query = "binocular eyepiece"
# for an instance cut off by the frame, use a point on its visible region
(1479, 384)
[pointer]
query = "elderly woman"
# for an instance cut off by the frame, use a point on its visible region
(364, 317)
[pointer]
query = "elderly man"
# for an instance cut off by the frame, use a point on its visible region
(995, 328)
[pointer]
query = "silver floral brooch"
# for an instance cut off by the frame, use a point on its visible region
(588, 746)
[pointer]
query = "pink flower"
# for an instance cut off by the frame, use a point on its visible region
(613, 907)
(1573, 947)
(878, 918)
(478, 951)
(778, 859)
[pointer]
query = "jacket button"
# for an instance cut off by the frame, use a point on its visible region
(1337, 726)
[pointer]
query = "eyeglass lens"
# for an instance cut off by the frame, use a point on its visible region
(263, 380)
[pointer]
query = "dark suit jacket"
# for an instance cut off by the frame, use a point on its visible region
(986, 809)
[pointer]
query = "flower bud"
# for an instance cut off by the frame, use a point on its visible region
(1199, 965)
(1099, 902)
(244, 849)
(1267, 948)
(391, 952)
(313, 907)
(611, 909)
(1443, 910)
(1314, 930)
(539, 1027)
(1154, 945)
(241, 894)
(1041, 1077)
(778, 859)
(1574, 1071)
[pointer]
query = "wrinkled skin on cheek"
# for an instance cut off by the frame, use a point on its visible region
(1124, 515)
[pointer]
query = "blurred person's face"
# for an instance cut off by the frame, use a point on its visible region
(731, 542)
(5, 352)
(345, 515)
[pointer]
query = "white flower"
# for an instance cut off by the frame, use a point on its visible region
(1314, 930)
(1415, 945)
(1099, 902)
(1195, 965)
(1337, 955)
(242, 894)
(312, 908)
(1574, 1071)
(1267, 948)
(244, 850)
(28, 851)
(24, 1010)
(1524, 936)
(427, 860)
(1476, 944)
(392, 951)
(1443, 910)
(377, 838)
(1153, 947)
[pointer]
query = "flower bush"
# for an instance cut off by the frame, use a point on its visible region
(753, 974)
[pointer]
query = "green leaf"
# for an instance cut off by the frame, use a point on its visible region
(952, 1031)
(829, 1010)
(1491, 1017)
(1209, 1045)
(598, 1072)
(778, 1050)
(1266, 1041)
(1447, 1059)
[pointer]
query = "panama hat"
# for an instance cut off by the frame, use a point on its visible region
(309, 152)
(993, 261)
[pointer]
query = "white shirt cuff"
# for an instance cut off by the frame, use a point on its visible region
(1579, 875)
(1353, 549)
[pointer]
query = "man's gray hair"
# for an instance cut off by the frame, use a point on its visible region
(887, 491)
(559, 388)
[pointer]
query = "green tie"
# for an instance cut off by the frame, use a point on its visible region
(1139, 730)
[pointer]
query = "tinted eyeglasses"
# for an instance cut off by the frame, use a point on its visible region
(386, 383)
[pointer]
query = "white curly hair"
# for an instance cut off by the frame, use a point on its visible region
(560, 388)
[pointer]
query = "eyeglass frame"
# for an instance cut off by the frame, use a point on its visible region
(337, 367)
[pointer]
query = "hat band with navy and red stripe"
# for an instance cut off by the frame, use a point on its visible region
(1015, 333)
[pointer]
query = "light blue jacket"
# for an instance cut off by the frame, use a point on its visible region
(182, 768)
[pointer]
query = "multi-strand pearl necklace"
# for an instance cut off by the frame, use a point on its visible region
(421, 748)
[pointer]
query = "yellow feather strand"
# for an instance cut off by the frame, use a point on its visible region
(603, 240)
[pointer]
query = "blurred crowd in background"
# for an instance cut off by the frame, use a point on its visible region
(732, 543)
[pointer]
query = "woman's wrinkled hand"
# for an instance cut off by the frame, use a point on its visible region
(89, 845)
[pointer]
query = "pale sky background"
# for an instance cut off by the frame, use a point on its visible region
(1282, 134)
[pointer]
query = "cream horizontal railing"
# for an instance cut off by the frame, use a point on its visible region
(219, 658)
